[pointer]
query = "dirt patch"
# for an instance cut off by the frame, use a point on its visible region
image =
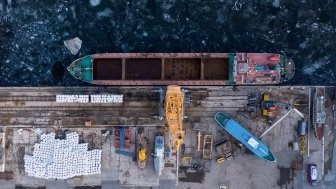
(88, 187)
(186, 175)
(20, 155)
(285, 176)
(28, 187)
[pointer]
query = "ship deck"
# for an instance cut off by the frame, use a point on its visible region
(152, 69)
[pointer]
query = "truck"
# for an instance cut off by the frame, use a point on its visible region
(302, 128)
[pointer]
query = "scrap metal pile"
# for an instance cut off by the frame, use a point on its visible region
(62, 159)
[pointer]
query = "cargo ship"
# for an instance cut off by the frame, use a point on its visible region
(183, 69)
(245, 137)
(159, 155)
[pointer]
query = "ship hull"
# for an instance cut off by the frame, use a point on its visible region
(183, 69)
(245, 137)
(319, 112)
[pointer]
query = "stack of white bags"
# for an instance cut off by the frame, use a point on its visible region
(106, 98)
(62, 159)
(72, 98)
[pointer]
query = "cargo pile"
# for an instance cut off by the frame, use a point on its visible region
(62, 159)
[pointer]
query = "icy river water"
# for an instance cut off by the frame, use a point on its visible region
(32, 33)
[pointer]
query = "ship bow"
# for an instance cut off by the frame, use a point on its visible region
(82, 69)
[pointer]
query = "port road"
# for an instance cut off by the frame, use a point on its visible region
(40, 109)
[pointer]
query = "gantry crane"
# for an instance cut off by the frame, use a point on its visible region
(174, 114)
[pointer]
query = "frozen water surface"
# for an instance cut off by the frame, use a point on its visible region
(32, 33)
(95, 2)
(104, 13)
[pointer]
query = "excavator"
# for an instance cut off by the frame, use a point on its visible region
(142, 157)
(142, 149)
(174, 101)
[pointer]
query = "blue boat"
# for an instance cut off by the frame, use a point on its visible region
(159, 155)
(245, 137)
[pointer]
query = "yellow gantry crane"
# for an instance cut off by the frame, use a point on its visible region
(174, 114)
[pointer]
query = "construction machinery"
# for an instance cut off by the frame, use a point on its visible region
(269, 107)
(302, 140)
(252, 105)
(279, 120)
(220, 159)
(224, 149)
(142, 158)
(186, 160)
(302, 136)
(174, 114)
(141, 149)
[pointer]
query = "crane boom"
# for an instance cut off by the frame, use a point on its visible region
(174, 114)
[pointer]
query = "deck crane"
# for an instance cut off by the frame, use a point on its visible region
(174, 101)
(279, 120)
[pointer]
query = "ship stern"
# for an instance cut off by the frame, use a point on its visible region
(287, 68)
